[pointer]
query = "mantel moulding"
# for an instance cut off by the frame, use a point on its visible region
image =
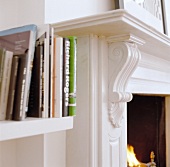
(126, 38)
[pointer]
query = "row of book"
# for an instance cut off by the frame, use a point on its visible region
(37, 73)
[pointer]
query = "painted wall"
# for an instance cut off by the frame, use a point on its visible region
(20, 12)
(64, 10)
(8, 13)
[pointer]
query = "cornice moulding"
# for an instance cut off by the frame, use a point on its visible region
(106, 24)
(115, 23)
(126, 38)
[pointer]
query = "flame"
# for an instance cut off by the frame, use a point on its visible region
(131, 157)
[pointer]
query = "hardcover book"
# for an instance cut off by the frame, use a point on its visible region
(44, 37)
(5, 83)
(18, 107)
(58, 76)
(35, 108)
(72, 84)
(2, 56)
(12, 86)
(66, 76)
(21, 41)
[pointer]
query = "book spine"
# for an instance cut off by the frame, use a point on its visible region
(19, 109)
(58, 45)
(5, 83)
(30, 58)
(51, 56)
(2, 57)
(35, 101)
(53, 101)
(12, 85)
(72, 87)
(66, 57)
(46, 77)
(43, 85)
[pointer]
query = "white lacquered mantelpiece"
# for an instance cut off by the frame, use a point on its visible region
(118, 55)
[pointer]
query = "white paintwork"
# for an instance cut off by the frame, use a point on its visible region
(20, 12)
(35, 151)
(56, 11)
(125, 72)
(125, 57)
(30, 12)
(30, 151)
(55, 149)
(8, 17)
(30, 127)
(8, 154)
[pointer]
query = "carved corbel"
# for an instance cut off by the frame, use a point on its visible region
(123, 60)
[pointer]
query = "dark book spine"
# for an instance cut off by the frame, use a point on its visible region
(19, 109)
(42, 82)
(66, 57)
(50, 81)
(72, 85)
(35, 97)
(11, 94)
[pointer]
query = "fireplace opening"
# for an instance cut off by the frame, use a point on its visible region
(146, 128)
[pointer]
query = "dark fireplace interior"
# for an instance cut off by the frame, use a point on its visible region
(146, 128)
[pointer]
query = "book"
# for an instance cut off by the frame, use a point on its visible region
(51, 73)
(35, 108)
(21, 41)
(58, 76)
(44, 34)
(2, 56)
(18, 107)
(12, 86)
(66, 79)
(72, 69)
(5, 83)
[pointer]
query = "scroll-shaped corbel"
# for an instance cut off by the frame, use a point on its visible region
(123, 60)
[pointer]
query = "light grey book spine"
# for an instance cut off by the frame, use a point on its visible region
(5, 83)
(12, 86)
(2, 57)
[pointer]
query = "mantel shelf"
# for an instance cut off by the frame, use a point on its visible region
(33, 126)
(114, 24)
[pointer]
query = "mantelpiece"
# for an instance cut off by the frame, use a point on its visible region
(118, 55)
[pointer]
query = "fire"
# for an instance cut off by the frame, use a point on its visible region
(131, 157)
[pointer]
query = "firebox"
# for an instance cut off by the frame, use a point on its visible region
(146, 128)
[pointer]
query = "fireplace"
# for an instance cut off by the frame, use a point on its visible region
(139, 73)
(146, 128)
(119, 57)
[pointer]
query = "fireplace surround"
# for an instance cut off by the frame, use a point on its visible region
(118, 56)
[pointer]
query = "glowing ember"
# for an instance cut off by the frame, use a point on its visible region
(131, 157)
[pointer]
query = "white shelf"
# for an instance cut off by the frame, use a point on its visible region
(33, 126)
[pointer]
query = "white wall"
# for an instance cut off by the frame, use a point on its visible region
(31, 11)
(20, 12)
(8, 13)
(64, 10)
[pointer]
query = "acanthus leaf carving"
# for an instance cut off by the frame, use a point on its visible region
(123, 60)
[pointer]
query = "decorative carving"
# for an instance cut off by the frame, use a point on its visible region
(152, 6)
(123, 60)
